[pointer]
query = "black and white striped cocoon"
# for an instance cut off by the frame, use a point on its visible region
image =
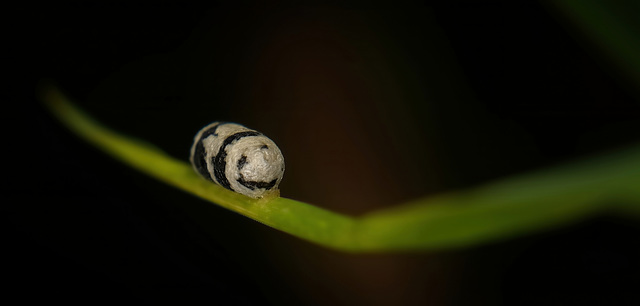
(237, 158)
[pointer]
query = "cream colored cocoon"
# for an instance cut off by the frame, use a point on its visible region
(237, 158)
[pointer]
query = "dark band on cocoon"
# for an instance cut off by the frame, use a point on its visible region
(200, 155)
(220, 160)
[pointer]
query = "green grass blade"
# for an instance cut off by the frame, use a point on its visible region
(487, 213)
(612, 25)
(511, 207)
(297, 218)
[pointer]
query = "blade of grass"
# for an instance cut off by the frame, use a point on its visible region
(487, 213)
(300, 219)
(612, 25)
(509, 208)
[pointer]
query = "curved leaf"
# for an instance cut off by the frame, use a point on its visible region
(494, 211)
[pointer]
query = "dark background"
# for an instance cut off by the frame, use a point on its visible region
(83, 229)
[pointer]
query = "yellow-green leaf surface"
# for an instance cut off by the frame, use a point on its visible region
(490, 212)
